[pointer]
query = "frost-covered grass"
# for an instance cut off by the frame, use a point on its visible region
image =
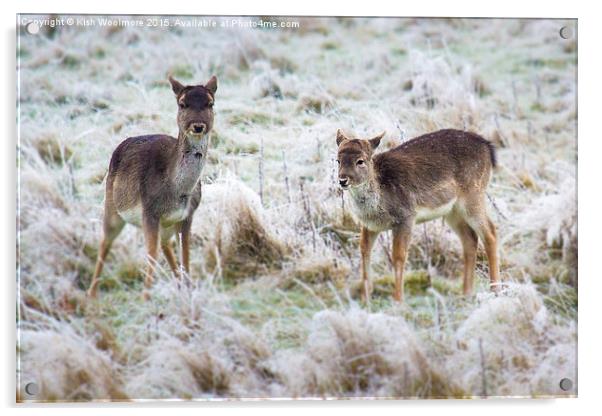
(271, 308)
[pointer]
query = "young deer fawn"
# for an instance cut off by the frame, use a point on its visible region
(441, 174)
(153, 181)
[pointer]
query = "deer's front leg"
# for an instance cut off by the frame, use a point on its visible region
(367, 239)
(401, 241)
(150, 226)
(185, 232)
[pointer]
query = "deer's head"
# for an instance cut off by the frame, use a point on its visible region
(355, 159)
(195, 107)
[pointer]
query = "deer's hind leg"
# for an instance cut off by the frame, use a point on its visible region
(401, 241)
(490, 241)
(470, 241)
(112, 226)
(475, 214)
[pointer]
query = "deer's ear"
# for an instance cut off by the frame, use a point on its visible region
(176, 86)
(340, 137)
(375, 141)
(211, 85)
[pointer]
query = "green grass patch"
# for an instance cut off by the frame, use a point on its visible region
(556, 63)
(282, 309)
(182, 71)
(262, 119)
(71, 62)
(330, 45)
(397, 51)
(23, 52)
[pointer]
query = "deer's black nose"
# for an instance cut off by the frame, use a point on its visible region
(198, 128)
(344, 181)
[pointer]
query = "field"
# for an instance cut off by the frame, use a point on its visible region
(271, 307)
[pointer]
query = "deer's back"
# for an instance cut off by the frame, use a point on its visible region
(427, 175)
(434, 159)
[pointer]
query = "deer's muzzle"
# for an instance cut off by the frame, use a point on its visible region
(344, 182)
(197, 128)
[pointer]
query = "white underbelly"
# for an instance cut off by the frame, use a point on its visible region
(132, 215)
(177, 215)
(426, 214)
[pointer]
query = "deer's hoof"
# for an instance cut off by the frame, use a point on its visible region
(496, 287)
(398, 297)
(365, 292)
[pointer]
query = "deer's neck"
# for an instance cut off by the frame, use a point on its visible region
(368, 205)
(190, 157)
(367, 195)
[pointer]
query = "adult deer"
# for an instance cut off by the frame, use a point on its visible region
(153, 181)
(441, 174)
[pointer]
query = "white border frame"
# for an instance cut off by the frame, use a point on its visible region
(588, 187)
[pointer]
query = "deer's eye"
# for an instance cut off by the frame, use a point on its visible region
(360, 162)
(338, 162)
(182, 105)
